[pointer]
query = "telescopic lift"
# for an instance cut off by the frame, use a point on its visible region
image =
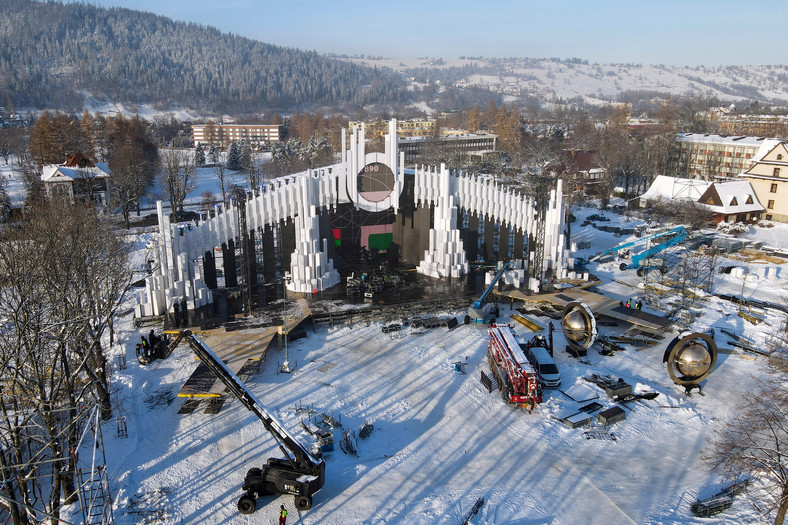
(299, 473)
(480, 311)
(656, 243)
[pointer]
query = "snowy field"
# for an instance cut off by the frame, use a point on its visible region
(440, 440)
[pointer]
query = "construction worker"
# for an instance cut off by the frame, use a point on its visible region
(176, 309)
(282, 515)
(184, 313)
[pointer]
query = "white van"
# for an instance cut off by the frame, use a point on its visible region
(545, 367)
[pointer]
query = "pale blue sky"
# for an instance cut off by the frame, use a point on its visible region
(671, 32)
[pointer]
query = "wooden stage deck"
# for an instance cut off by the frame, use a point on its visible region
(600, 305)
(241, 350)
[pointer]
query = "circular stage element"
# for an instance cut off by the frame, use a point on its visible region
(690, 358)
(579, 325)
(376, 181)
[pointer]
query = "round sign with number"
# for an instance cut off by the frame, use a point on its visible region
(375, 182)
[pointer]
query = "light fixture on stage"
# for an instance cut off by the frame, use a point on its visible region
(690, 359)
(579, 325)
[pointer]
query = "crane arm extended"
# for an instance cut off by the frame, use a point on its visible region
(295, 453)
(680, 235)
(641, 240)
(480, 301)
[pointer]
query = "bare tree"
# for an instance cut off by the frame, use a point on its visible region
(220, 170)
(132, 161)
(178, 176)
(62, 281)
(754, 443)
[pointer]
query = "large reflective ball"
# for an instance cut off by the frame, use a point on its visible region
(579, 325)
(690, 358)
(574, 326)
(693, 360)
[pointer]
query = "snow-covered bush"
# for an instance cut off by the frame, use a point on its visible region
(733, 228)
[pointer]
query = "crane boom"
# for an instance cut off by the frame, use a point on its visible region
(480, 301)
(287, 443)
(666, 239)
(300, 473)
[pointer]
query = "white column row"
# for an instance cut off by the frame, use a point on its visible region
(445, 256)
(491, 201)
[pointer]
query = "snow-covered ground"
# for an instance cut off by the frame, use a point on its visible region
(440, 440)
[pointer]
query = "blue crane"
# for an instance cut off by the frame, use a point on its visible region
(480, 311)
(657, 242)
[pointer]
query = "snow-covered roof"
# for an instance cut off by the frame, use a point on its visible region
(669, 188)
(767, 146)
(733, 197)
(60, 173)
(726, 140)
(727, 198)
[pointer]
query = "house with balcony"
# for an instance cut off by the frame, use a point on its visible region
(78, 178)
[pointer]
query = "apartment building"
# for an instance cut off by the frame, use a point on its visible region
(754, 125)
(467, 144)
(405, 128)
(224, 134)
(712, 157)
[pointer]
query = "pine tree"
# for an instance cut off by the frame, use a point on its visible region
(213, 155)
(246, 154)
(234, 157)
(199, 155)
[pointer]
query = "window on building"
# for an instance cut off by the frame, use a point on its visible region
(779, 156)
(770, 205)
(749, 200)
(776, 172)
(734, 202)
(773, 188)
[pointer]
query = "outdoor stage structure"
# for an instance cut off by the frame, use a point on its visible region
(303, 229)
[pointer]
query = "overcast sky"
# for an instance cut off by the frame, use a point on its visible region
(671, 32)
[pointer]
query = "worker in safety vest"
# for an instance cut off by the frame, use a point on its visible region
(282, 515)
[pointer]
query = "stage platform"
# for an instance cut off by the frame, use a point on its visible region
(600, 305)
(241, 350)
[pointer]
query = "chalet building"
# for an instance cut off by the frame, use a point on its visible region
(222, 135)
(79, 178)
(769, 177)
(730, 201)
(588, 178)
(715, 157)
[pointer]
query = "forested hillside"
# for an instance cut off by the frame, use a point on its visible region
(51, 55)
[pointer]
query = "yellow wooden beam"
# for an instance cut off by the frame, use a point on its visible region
(531, 325)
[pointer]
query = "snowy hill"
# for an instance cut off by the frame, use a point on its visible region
(595, 83)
